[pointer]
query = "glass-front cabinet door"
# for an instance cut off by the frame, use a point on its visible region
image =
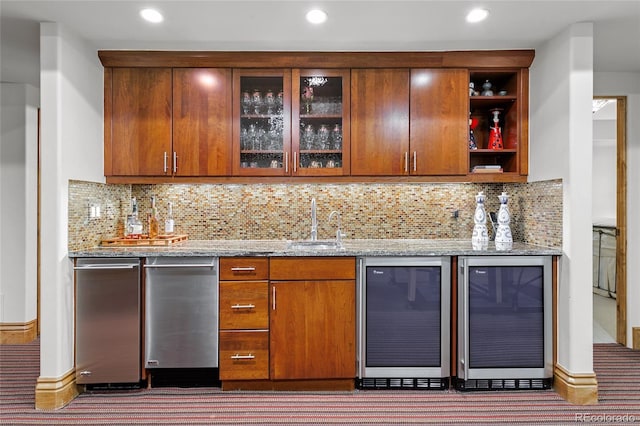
(262, 122)
(320, 122)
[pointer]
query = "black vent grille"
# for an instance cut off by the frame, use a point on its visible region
(404, 383)
(503, 384)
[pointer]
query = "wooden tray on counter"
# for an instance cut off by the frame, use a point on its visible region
(161, 240)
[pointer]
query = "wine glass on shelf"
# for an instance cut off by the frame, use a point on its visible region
(246, 102)
(270, 101)
(256, 100)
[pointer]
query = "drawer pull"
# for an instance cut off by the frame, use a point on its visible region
(238, 306)
(238, 356)
(243, 269)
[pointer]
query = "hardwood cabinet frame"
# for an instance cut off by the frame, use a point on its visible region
(516, 61)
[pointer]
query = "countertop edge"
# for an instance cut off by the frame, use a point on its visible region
(278, 248)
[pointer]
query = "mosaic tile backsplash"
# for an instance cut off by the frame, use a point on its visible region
(283, 211)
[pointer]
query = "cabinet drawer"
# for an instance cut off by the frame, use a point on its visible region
(244, 268)
(313, 268)
(244, 355)
(244, 304)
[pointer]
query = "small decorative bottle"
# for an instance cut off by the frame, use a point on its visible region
(168, 223)
(153, 219)
(504, 239)
(134, 226)
(480, 237)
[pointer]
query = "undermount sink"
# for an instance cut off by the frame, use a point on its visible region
(313, 245)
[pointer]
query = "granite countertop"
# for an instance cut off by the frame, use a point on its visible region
(404, 247)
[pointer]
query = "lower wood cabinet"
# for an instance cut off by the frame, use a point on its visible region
(244, 355)
(244, 319)
(312, 319)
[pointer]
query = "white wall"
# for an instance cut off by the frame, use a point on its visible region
(72, 148)
(561, 81)
(18, 202)
(628, 84)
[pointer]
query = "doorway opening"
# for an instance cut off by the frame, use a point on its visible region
(609, 219)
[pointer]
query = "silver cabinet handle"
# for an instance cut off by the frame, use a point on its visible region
(295, 162)
(101, 267)
(85, 373)
(406, 162)
(238, 306)
(286, 162)
(182, 265)
(164, 167)
(243, 268)
(238, 356)
(273, 298)
(415, 160)
(175, 162)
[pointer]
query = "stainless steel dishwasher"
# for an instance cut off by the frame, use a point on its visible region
(181, 312)
(107, 320)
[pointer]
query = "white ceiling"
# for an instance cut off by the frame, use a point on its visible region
(352, 25)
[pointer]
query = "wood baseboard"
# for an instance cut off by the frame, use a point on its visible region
(16, 333)
(290, 385)
(54, 393)
(578, 389)
(635, 337)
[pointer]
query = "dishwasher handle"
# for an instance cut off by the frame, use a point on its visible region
(183, 265)
(102, 266)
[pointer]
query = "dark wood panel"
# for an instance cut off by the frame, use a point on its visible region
(447, 59)
(244, 305)
(439, 131)
(379, 122)
(244, 268)
(303, 268)
(253, 346)
(312, 330)
(202, 121)
(141, 121)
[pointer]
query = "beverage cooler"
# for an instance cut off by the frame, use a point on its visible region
(504, 323)
(404, 322)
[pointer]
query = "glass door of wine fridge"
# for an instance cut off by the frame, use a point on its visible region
(404, 312)
(504, 315)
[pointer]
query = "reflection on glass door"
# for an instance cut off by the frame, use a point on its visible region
(264, 117)
(320, 122)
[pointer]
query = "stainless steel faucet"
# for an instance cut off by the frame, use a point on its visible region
(314, 221)
(339, 233)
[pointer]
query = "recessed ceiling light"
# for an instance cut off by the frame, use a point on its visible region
(151, 15)
(316, 16)
(477, 15)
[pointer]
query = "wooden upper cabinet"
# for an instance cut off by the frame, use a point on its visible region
(202, 122)
(379, 122)
(138, 131)
(439, 117)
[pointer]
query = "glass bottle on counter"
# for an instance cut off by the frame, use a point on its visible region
(134, 226)
(168, 223)
(153, 219)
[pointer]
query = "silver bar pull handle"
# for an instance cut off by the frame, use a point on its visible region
(243, 268)
(406, 162)
(238, 356)
(273, 298)
(104, 267)
(415, 160)
(85, 373)
(295, 162)
(286, 162)
(182, 265)
(238, 306)
(175, 162)
(164, 167)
